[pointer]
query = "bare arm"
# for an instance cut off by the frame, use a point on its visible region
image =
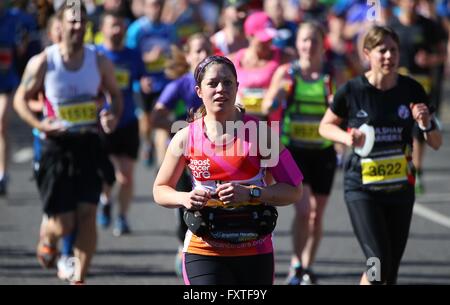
(276, 90)
(109, 84)
(164, 192)
(423, 117)
(329, 129)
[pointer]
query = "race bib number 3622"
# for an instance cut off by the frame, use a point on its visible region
(384, 170)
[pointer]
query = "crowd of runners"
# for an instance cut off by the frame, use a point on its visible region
(309, 86)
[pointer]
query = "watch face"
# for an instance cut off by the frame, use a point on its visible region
(256, 192)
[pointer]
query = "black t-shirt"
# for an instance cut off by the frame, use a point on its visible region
(424, 34)
(359, 102)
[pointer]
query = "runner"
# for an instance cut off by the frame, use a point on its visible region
(311, 84)
(152, 38)
(256, 64)
(11, 47)
(381, 107)
(69, 182)
(422, 49)
(123, 144)
(229, 194)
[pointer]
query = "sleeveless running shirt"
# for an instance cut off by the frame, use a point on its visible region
(306, 104)
(211, 164)
(71, 95)
(253, 83)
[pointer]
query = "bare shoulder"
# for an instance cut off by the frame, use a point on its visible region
(104, 63)
(37, 62)
(178, 144)
(33, 75)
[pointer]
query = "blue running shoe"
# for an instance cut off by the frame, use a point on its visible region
(121, 226)
(295, 276)
(104, 215)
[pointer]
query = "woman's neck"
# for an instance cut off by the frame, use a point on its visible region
(216, 124)
(310, 69)
(381, 81)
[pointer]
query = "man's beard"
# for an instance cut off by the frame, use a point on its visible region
(75, 45)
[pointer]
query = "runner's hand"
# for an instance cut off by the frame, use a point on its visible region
(421, 114)
(146, 84)
(108, 121)
(230, 193)
(197, 199)
(52, 127)
(356, 138)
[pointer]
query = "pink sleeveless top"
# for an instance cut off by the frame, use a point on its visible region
(254, 82)
(209, 164)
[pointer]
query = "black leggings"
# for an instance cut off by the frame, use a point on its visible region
(230, 270)
(382, 231)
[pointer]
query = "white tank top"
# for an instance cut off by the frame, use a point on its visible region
(71, 95)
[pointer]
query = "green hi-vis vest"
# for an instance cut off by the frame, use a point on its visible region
(306, 105)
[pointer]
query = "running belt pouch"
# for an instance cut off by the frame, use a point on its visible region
(234, 225)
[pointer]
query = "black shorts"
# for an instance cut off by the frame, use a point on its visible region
(149, 101)
(318, 167)
(229, 270)
(6, 90)
(124, 141)
(70, 172)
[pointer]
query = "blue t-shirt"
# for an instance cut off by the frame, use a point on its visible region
(179, 96)
(143, 35)
(10, 30)
(128, 69)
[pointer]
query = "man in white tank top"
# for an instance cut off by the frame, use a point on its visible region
(69, 182)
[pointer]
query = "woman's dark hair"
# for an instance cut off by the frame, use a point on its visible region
(215, 59)
(200, 73)
(377, 34)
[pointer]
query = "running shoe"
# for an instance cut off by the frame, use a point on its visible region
(66, 268)
(294, 277)
(121, 226)
(104, 215)
(308, 277)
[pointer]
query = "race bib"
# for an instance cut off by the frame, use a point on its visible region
(384, 170)
(6, 58)
(157, 65)
(306, 131)
(252, 99)
(122, 78)
(84, 113)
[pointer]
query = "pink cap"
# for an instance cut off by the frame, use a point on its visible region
(261, 26)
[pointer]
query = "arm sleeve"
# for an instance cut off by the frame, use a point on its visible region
(170, 96)
(340, 104)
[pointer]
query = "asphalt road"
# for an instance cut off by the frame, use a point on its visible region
(147, 256)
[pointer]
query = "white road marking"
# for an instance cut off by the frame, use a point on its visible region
(421, 210)
(23, 155)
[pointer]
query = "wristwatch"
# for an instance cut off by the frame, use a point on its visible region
(431, 126)
(255, 193)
